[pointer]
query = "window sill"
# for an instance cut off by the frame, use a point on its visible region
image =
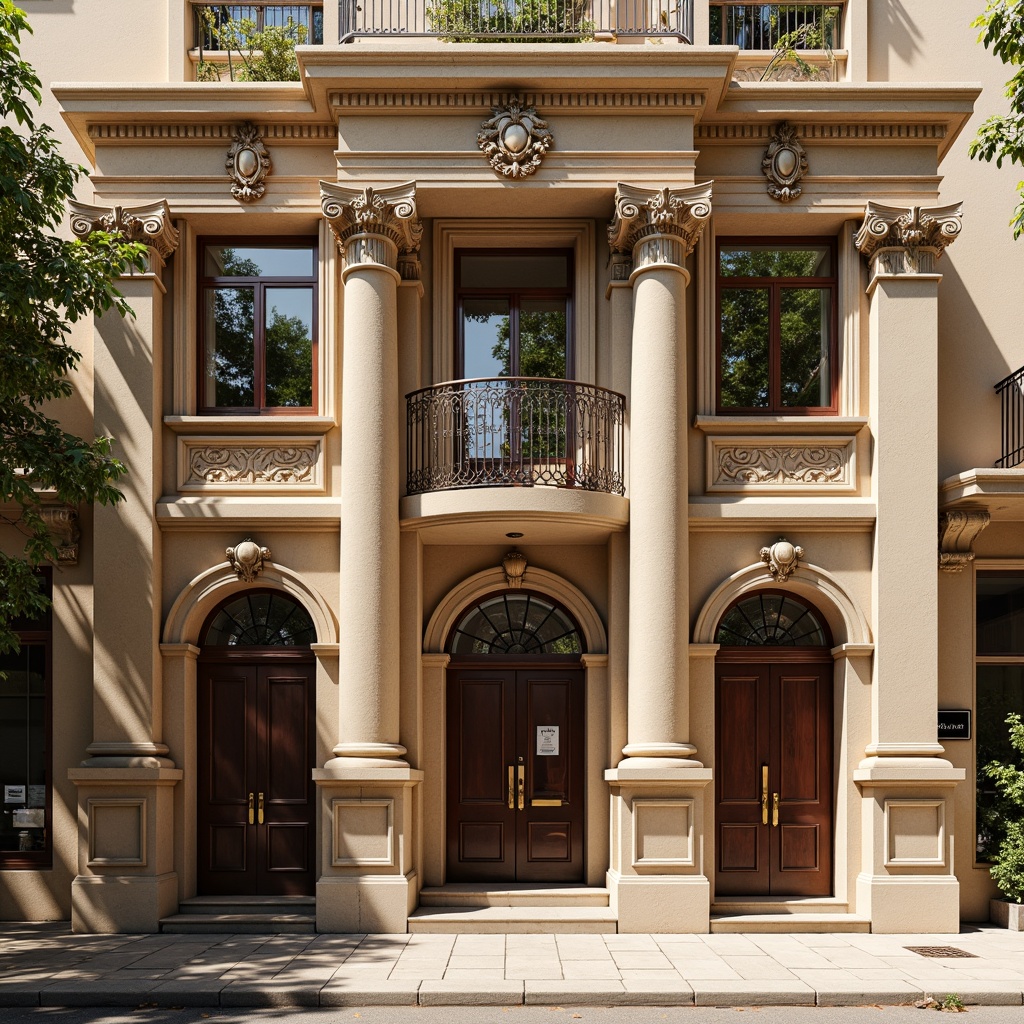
(255, 425)
(795, 425)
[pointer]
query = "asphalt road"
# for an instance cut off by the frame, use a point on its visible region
(514, 1015)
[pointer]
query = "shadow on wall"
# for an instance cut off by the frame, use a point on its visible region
(889, 22)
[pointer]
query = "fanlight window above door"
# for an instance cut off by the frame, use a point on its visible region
(261, 619)
(515, 623)
(771, 620)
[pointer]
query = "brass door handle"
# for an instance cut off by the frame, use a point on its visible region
(522, 786)
(764, 794)
(259, 813)
(775, 810)
(250, 809)
(511, 788)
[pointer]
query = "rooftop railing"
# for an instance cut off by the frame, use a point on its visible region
(1011, 395)
(807, 26)
(515, 431)
(210, 19)
(515, 20)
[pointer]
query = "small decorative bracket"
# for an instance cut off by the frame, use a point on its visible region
(781, 559)
(514, 564)
(784, 164)
(957, 534)
(62, 522)
(247, 559)
(247, 163)
(514, 139)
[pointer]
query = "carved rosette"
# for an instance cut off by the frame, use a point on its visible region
(375, 226)
(657, 226)
(957, 534)
(907, 240)
(784, 164)
(150, 224)
(781, 559)
(62, 522)
(514, 139)
(248, 163)
(247, 559)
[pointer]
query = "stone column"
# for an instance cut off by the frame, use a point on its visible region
(126, 879)
(906, 880)
(368, 884)
(656, 873)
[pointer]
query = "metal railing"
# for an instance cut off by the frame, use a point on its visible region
(1011, 395)
(809, 26)
(209, 19)
(515, 431)
(521, 20)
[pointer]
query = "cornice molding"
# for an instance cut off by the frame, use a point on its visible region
(483, 101)
(823, 133)
(213, 134)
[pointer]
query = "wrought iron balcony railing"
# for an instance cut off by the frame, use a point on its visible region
(806, 26)
(515, 431)
(1011, 394)
(210, 19)
(522, 20)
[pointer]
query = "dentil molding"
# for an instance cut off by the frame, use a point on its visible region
(957, 534)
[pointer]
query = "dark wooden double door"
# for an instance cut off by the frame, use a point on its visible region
(256, 805)
(515, 774)
(774, 777)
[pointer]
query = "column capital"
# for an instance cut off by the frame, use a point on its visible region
(907, 239)
(652, 225)
(375, 225)
(150, 224)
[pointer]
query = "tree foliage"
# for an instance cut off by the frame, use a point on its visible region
(527, 21)
(1008, 863)
(1002, 135)
(47, 283)
(263, 54)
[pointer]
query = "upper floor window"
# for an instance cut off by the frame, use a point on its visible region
(514, 314)
(776, 316)
(257, 326)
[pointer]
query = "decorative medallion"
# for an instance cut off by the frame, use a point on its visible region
(247, 559)
(514, 139)
(248, 163)
(784, 164)
(514, 564)
(781, 559)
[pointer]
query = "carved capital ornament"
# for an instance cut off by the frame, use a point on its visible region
(248, 163)
(907, 239)
(784, 164)
(375, 226)
(150, 224)
(514, 139)
(652, 226)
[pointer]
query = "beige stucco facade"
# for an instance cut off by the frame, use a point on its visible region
(657, 153)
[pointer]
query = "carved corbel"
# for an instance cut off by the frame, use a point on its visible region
(781, 559)
(62, 522)
(248, 163)
(514, 139)
(514, 564)
(375, 226)
(907, 239)
(652, 225)
(784, 164)
(957, 534)
(149, 224)
(247, 559)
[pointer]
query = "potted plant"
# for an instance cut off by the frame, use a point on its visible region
(1008, 862)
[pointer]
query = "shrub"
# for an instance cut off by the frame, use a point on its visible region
(1008, 864)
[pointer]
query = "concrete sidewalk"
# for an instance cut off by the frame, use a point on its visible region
(45, 965)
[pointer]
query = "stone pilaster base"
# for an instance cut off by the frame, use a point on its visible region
(906, 883)
(656, 877)
(368, 882)
(126, 879)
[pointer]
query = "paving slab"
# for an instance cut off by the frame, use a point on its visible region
(179, 992)
(369, 992)
(271, 992)
(575, 993)
(481, 993)
(752, 993)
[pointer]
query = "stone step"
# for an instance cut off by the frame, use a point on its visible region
(517, 920)
(471, 894)
(780, 923)
(249, 905)
(239, 924)
(779, 905)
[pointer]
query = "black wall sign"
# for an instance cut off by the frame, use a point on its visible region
(954, 725)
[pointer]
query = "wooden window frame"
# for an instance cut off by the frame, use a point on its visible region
(775, 286)
(260, 284)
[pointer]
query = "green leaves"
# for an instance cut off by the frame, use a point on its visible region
(1008, 863)
(1001, 137)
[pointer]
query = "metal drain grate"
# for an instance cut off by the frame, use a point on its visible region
(941, 951)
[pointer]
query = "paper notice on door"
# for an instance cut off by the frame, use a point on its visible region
(547, 740)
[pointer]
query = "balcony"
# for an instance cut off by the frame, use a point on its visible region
(515, 432)
(516, 20)
(1011, 396)
(210, 19)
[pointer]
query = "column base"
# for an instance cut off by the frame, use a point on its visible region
(366, 903)
(910, 904)
(674, 904)
(122, 903)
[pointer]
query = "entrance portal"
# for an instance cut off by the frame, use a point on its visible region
(255, 709)
(516, 745)
(773, 731)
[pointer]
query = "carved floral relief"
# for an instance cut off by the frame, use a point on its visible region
(739, 464)
(215, 464)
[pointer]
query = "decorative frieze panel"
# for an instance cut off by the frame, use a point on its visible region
(245, 465)
(777, 465)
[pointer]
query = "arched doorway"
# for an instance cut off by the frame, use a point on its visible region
(773, 748)
(516, 745)
(255, 733)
